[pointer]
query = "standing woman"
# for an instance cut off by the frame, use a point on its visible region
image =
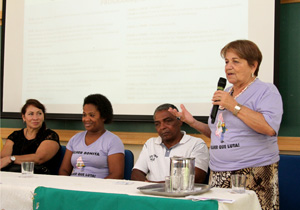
(244, 136)
(35, 143)
(96, 152)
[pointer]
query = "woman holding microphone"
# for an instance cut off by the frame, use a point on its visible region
(244, 134)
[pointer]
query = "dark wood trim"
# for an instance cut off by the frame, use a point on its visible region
(289, 1)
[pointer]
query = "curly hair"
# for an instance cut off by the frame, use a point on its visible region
(102, 104)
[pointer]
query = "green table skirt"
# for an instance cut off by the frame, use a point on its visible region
(55, 199)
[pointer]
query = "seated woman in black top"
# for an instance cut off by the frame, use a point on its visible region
(35, 143)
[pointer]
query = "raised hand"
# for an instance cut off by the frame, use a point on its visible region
(184, 115)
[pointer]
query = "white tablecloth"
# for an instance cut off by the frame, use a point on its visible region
(17, 191)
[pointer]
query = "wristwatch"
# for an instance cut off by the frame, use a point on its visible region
(237, 109)
(12, 158)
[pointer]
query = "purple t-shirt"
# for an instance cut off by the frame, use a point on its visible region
(234, 145)
(91, 160)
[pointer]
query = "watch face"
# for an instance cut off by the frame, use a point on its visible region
(13, 158)
(237, 107)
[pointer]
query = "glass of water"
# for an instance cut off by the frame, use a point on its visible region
(27, 169)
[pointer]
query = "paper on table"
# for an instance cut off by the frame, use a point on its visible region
(200, 198)
(124, 183)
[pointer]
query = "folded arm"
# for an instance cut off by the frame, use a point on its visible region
(44, 152)
(255, 120)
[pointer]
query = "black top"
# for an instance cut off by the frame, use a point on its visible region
(23, 146)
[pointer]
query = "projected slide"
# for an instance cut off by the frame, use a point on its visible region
(138, 53)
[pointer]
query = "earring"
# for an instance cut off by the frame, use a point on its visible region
(252, 74)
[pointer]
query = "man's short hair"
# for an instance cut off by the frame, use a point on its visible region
(164, 107)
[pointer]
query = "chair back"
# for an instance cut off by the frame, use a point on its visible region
(61, 157)
(129, 159)
(289, 182)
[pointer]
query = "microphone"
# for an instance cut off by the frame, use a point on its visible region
(221, 86)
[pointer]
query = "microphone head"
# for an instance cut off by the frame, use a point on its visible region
(222, 83)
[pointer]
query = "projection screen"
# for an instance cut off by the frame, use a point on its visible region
(138, 53)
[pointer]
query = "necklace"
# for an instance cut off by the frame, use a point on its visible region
(231, 89)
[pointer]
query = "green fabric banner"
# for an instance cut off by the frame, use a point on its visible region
(56, 199)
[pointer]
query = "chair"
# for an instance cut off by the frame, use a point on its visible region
(61, 157)
(289, 182)
(129, 159)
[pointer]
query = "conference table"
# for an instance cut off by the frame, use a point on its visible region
(64, 192)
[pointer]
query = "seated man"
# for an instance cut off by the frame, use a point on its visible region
(153, 163)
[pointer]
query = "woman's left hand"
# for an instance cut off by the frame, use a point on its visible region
(253, 119)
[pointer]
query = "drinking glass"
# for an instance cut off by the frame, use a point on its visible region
(238, 183)
(27, 169)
